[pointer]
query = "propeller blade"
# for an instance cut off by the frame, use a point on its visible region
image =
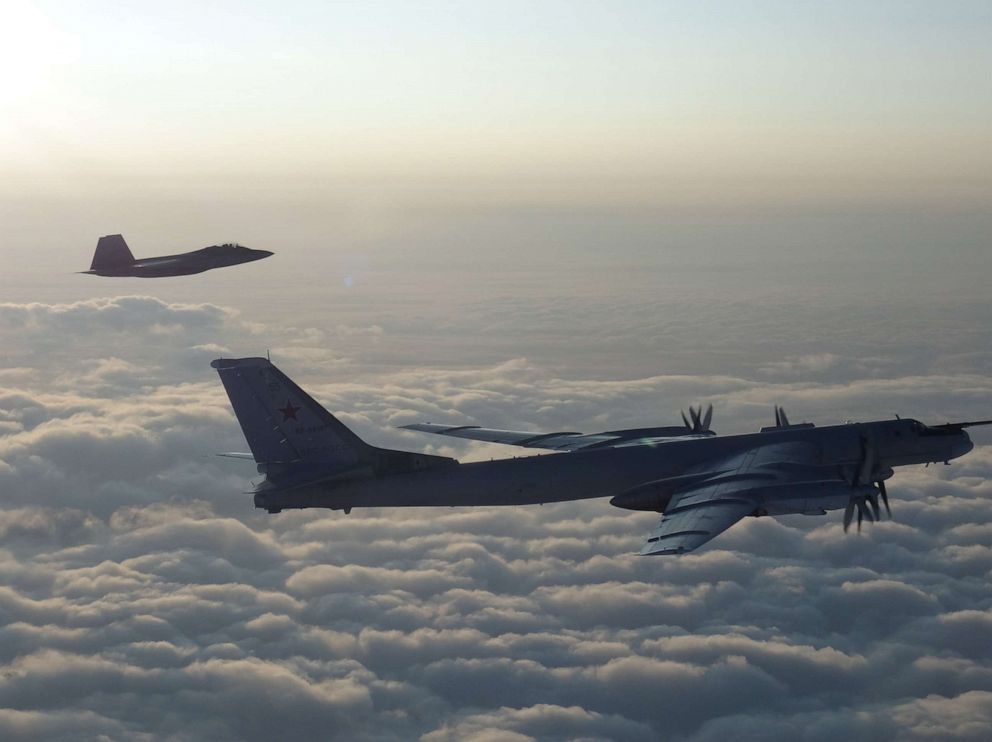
(848, 514)
(707, 418)
(785, 420)
(778, 418)
(868, 515)
(885, 497)
(861, 512)
(686, 421)
(873, 501)
(694, 413)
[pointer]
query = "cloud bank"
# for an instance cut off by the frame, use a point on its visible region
(143, 598)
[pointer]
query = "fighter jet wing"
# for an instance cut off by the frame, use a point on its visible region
(557, 441)
(705, 508)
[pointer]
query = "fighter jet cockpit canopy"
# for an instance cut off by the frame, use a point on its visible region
(227, 246)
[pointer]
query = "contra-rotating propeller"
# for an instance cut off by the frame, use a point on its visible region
(867, 473)
(700, 420)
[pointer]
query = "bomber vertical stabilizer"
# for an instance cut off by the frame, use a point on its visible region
(283, 423)
(294, 439)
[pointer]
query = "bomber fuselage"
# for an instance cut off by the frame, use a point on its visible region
(838, 450)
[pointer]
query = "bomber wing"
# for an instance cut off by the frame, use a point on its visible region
(694, 521)
(567, 440)
(714, 495)
(562, 440)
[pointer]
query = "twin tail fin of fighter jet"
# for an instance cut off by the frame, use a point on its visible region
(111, 252)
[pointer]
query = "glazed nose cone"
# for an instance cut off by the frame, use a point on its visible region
(963, 446)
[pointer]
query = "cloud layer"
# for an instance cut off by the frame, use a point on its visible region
(142, 597)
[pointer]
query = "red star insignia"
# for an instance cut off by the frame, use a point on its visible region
(289, 411)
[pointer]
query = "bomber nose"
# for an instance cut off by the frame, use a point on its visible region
(963, 446)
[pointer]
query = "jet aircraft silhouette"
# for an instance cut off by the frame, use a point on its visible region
(700, 482)
(114, 258)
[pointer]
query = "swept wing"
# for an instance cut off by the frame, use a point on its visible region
(719, 492)
(562, 440)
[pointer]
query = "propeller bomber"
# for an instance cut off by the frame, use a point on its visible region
(700, 482)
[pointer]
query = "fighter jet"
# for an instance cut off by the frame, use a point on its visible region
(701, 483)
(113, 258)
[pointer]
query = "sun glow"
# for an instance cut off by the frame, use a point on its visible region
(32, 49)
